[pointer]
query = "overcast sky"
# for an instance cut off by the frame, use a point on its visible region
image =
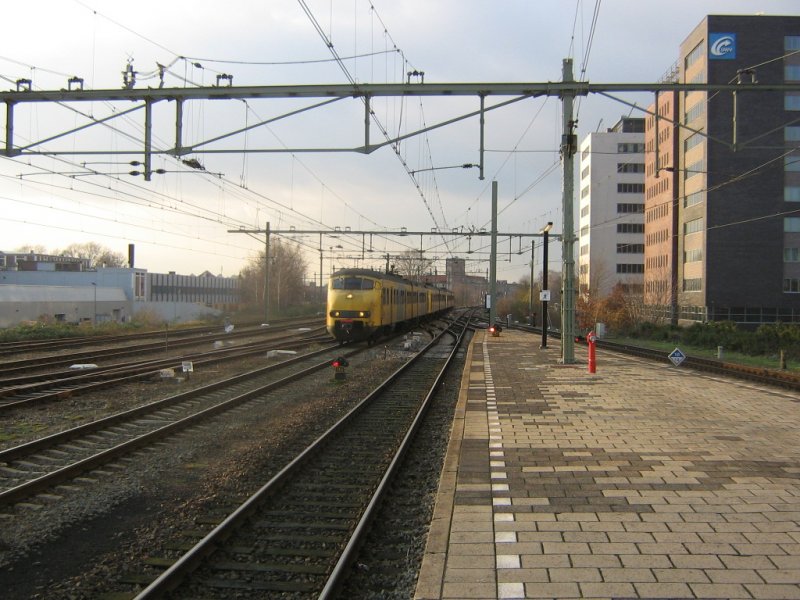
(180, 220)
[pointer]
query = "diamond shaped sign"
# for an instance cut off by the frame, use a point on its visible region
(677, 357)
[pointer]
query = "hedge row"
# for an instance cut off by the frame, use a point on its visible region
(768, 339)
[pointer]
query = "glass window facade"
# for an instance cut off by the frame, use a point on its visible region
(695, 112)
(791, 134)
(696, 168)
(693, 199)
(791, 193)
(791, 72)
(692, 285)
(630, 148)
(791, 286)
(630, 167)
(630, 268)
(693, 256)
(695, 55)
(630, 227)
(791, 163)
(791, 101)
(693, 226)
(693, 140)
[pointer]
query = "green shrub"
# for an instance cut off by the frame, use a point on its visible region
(768, 340)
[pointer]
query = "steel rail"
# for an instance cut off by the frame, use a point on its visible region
(23, 365)
(54, 390)
(340, 570)
(48, 344)
(7, 385)
(44, 482)
(191, 560)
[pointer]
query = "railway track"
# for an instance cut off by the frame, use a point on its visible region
(13, 368)
(38, 389)
(297, 535)
(66, 343)
(37, 466)
(49, 345)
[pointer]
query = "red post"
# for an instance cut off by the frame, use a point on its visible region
(592, 339)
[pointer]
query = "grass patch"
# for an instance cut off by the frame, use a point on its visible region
(763, 362)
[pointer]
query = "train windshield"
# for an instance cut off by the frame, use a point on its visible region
(352, 283)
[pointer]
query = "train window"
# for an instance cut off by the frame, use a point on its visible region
(352, 283)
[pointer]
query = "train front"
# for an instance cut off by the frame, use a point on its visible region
(354, 303)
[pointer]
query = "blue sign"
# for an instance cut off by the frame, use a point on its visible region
(722, 46)
(677, 357)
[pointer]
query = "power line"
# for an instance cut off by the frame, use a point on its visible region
(395, 144)
(291, 62)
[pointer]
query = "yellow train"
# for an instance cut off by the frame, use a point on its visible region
(365, 304)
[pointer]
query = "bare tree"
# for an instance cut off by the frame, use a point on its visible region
(590, 306)
(412, 265)
(660, 295)
(287, 270)
(28, 248)
(601, 279)
(98, 256)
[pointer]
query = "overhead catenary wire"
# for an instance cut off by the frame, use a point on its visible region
(435, 208)
(394, 143)
(185, 80)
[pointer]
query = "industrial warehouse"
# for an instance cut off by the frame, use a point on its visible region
(42, 287)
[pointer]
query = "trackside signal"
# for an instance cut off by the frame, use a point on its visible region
(339, 365)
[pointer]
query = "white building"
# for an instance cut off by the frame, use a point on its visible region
(110, 294)
(611, 224)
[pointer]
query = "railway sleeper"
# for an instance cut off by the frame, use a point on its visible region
(136, 579)
(310, 525)
(268, 586)
(291, 552)
(306, 514)
(321, 539)
(266, 568)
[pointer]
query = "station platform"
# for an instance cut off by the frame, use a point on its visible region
(642, 480)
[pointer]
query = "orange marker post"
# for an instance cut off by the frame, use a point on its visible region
(592, 340)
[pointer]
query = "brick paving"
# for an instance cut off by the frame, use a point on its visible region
(643, 480)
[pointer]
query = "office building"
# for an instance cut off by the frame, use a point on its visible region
(735, 168)
(611, 223)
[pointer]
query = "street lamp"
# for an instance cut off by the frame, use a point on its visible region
(545, 292)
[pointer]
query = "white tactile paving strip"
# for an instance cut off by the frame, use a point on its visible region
(640, 481)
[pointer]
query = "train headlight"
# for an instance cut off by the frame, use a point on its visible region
(336, 313)
(349, 296)
(362, 314)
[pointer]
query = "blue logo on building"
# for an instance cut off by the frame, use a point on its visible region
(722, 46)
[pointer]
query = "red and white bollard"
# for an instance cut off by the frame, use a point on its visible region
(591, 338)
